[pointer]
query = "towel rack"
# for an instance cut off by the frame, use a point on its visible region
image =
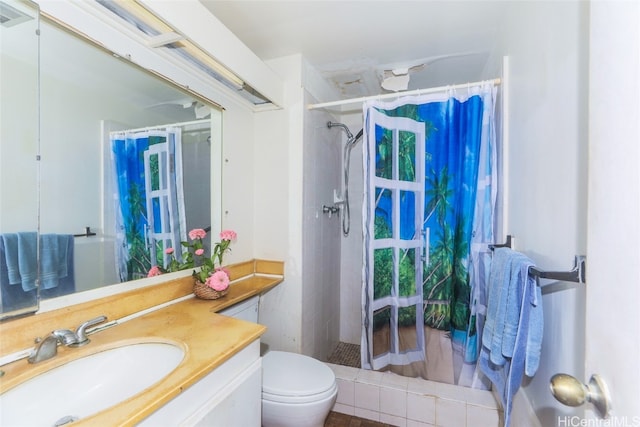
(577, 274)
(87, 233)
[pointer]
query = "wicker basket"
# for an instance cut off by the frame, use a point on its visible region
(204, 292)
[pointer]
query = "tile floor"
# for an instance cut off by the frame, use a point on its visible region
(346, 354)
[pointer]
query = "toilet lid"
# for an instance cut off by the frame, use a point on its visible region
(291, 374)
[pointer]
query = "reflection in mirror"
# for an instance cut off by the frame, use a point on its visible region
(18, 157)
(124, 153)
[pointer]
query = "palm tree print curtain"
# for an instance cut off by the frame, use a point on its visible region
(147, 168)
(428, 217)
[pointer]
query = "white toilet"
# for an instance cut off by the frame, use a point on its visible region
(297, 390)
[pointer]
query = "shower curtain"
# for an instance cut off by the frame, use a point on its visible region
(150, 214)
(428, 217)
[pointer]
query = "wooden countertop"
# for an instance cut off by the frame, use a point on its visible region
(208, 340)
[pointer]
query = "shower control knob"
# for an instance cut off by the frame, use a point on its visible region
(569, 391)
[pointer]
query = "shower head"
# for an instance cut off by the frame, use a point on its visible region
(346, 129)
(357, 137)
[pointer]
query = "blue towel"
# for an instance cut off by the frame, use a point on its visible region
(20, 250)
(54, 258)
(10, 243)
(517, 286)
(536, 329)
(498, 291)
(12, 297)
(514, 316)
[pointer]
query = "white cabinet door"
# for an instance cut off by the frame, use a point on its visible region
(229, 396)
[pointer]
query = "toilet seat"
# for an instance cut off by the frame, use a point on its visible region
(295, 378)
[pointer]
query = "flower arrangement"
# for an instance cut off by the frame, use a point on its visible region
(214, 277)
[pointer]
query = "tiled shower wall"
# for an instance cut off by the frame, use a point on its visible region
(412, 402)
(320, 235)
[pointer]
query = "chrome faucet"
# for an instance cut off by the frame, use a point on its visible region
(81, 332)
(48, 347)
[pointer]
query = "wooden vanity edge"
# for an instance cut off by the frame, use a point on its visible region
(18, 334)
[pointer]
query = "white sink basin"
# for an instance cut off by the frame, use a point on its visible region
(88, 385)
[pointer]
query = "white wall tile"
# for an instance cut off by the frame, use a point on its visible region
(420, 386)
(481, 416)
(367, 396)
(481, 398)
(421, 408)
(344, 409)
(393, 420)
(321, 236)
(367, 414)
(393, 401)
(393, 380)
(412, 402)
(451, 413)
(412, 423)
(344, 372)
(369, 377)
(449, 391)
(346, 392)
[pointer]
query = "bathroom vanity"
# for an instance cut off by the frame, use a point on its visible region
(218, 381)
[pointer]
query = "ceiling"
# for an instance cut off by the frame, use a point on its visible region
(352, 43)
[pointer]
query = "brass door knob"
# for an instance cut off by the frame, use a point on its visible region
(571, 392)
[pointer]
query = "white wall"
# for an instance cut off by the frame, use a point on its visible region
(276, 174)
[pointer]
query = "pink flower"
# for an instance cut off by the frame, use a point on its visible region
(199, 252)
(154, 271)
(228, 235)
(168, 251)
(218, 281)
(197, 233)
(225, 269)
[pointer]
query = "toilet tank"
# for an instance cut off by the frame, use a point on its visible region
(246, 310)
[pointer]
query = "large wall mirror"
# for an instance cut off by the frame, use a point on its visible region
(124, 155)
(18, 148)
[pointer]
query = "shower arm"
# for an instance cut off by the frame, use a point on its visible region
(343, 126)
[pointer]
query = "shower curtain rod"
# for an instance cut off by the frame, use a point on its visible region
(158, 127)
(398, 94)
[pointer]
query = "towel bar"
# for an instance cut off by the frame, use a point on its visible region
(577, 274)
(87, 233)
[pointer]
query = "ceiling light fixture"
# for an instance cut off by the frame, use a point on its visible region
(10, 16)
(159, 35)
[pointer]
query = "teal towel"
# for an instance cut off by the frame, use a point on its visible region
(10, 241)
(20, 251)
(54, 258)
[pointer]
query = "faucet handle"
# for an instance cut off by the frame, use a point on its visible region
(81, 333)
(65, 336)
